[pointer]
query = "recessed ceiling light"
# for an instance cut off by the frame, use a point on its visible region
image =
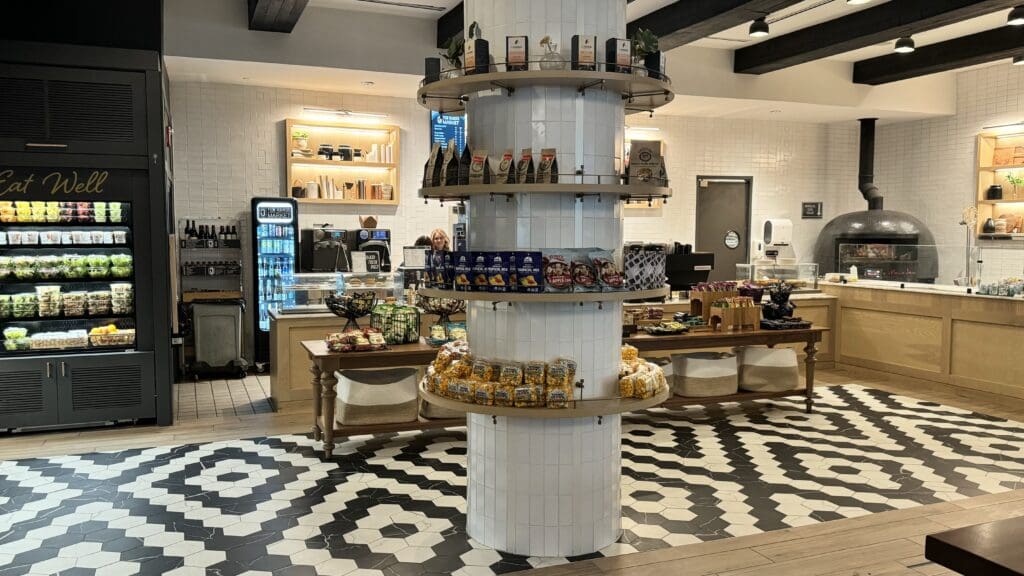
(904, 45)
(759, 27)
(1018, 60)
(245, 77)
(1016, 17)
(368, 83)
(775, 111)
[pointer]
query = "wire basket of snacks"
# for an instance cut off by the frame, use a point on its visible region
(399, 324)
(352, 306)
(444, 308)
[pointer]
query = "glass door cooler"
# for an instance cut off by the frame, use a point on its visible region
(67, 280)
(275, 241)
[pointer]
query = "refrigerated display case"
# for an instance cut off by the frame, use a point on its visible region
(275, 241)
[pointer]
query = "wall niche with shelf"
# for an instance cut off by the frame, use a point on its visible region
(363, 167)
(1000, 161)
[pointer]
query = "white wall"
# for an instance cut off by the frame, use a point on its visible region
(927, 167)
(790, 163)
(229, 146)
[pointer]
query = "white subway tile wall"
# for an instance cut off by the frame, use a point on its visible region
(927, 167)
(790, 163)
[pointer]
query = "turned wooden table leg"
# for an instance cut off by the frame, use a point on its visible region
(317, 401)
(812, 350)
(329, 384)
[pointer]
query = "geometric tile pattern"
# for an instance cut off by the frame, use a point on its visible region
(394, 504)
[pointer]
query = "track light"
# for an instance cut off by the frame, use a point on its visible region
(1016, 17)
(904, 45)
(759, 27)
(1018, 60)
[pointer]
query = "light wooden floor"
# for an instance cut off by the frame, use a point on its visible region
(885, 544)
(212, 398)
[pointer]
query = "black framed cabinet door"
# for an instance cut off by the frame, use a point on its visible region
(28, 393)
(102, 387)
(72, 110)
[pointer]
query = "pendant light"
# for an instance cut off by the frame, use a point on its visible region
(759, 27)
(1016, 17)
(905, 45)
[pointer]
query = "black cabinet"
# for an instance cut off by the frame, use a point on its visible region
(60, 391)
(72, 110)
(28, 393)
(102, 387)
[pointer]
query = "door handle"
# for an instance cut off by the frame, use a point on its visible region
(49, 370)
(46, 146)
(63, 369)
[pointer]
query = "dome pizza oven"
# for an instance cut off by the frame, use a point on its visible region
(883, 244)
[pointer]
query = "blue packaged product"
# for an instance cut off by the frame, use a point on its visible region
(528, 272)
(428, 270)
(499, 266)
(446, 270)
(480, 262)
(462, 271)
(437, 279)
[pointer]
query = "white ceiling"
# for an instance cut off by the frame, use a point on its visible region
(410, 8)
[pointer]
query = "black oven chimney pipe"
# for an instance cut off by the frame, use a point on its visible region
(866, 180)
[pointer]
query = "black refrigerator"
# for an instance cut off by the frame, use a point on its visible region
(275, 250)
(84, 233)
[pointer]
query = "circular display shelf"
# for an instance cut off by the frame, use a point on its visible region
(624, 191)
(581, 408)
(639, 93)
(545, 297)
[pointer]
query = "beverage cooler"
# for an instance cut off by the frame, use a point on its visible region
(275, 241)
(76, 288)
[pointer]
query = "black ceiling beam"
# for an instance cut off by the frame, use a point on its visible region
(980, 48)
(687, 21)
(861, 29)
(275, 15)
(451, 23)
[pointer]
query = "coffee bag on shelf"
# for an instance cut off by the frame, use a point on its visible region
(464, 164)
(584, 52)
(450, 165)
(479, 168)
(525, 170)
(432, 169)
(645, 162)
(547, 171)
(517, 53)
(505, 168)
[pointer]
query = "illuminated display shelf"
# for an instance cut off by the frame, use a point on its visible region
(302, 170)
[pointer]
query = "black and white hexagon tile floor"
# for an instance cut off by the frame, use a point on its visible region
(394, 505)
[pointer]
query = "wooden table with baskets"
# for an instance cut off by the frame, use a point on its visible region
(705, 339)
(324, 363)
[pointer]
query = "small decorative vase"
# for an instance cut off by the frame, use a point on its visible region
(552, 59)
(994, 192)
(300, 143)
(638, 68)
(989, 227)
(451, 73)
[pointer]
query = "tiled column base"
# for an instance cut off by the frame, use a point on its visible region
(544, 487)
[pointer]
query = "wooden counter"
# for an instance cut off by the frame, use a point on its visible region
(819, 309)
(289, 361)
(960, 339)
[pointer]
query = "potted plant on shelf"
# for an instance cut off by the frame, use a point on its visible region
(646, 55)
(300, 140)
(452, 54)
(1015, 181)
(478, 54)
(552, 58)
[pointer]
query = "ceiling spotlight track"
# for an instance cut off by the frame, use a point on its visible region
(430, 7)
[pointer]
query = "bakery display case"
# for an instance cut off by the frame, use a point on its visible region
(308, 292)
(801, 276)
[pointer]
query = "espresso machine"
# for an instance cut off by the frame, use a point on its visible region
(325, 249)
(373, 241)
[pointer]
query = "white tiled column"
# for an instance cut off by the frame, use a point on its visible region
(547, 487)
(544, 487)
